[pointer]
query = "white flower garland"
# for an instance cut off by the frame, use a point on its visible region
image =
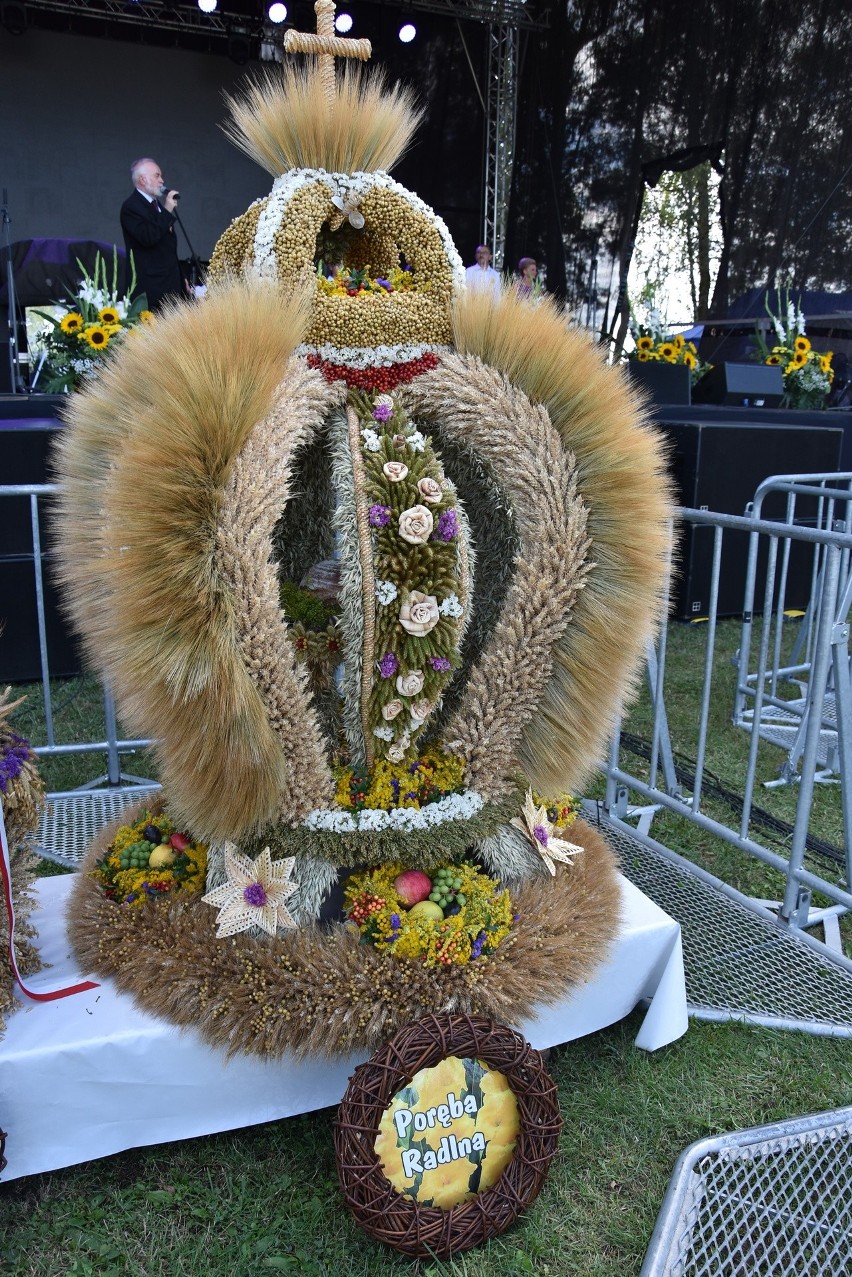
(401, 819)
(347, 186)
(371, 356)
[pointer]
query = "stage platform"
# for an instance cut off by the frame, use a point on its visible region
(91, 1075)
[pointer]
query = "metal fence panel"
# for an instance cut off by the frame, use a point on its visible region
(773, 1201)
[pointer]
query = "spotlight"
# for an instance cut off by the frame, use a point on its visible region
(207, 6)
(14, 18)
(343, 23)
(407, 33)
(277, 12)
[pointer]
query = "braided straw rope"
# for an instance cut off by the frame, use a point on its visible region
(326, 46)
(368, 577)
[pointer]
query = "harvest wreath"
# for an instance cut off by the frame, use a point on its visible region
(408, 547)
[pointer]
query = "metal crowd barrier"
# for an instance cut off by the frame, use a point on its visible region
(775, 1199)
(760, 698)
(636, 794)
(73, 817)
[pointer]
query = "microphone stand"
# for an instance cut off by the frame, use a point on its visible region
(193, 257)
(15, 380)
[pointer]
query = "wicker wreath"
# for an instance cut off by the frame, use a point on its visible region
(389, 1216)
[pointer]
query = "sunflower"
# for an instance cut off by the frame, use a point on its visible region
(773, 359)
(801, 345)
(692, 348)
(109, 316)
(643, 356)
(645, 343)
(72, 322)
(95, 336)
(147, 316)
(800, 357)
(677, 342)
(689, 359)
(825, 361)
(668, 351)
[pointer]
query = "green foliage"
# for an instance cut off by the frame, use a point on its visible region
(300, 605)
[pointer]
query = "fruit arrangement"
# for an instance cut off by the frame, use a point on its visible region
(149, 859)
(454, 916)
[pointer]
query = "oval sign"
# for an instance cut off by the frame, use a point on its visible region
(449, 1134)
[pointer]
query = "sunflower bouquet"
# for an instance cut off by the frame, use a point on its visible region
(808, 374)
(651, 345)
(78, 333)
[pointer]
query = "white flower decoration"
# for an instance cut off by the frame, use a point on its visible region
(372, 442)
(254, 894)
(416, 441)
(383, 733)
(451, 606)
(386, 592)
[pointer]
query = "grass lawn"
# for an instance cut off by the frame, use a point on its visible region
(265, 1199)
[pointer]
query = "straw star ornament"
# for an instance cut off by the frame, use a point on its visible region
(537, 828)
(254, 894)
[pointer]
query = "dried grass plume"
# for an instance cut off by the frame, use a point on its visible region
(284, 120)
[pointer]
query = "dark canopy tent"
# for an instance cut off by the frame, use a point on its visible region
(621, 90)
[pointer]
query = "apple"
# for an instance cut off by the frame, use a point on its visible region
(180, 842)
(412, 886)
(427, 909)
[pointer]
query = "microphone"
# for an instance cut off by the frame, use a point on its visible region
(175, 195)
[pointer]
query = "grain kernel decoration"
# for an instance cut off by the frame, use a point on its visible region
(234, 249)
(396, 222)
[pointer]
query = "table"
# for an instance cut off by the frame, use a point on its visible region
(92, 1074)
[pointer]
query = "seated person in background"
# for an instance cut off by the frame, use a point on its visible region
(482, 277)
(148, 223)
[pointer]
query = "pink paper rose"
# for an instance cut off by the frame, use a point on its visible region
(416, 524)
(419, 614)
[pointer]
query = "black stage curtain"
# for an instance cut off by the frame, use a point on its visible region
(618, 91)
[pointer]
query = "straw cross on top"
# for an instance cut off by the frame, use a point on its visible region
(325, 45)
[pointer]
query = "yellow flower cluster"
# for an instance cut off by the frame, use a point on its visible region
(347, 283)
(387, 785)
(673, 350)
(562, 810)
(133, 885)
(385, 921)
(800, 356)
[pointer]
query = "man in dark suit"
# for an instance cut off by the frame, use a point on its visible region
(148, 223)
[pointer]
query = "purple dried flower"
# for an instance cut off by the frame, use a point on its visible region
(439, 664)
(447, 526)
(540, 833)
(395, 788)
(379, 516)
(388, 665)
(382, 412)
(255, 895)
(477, 946)
(385, 284)
(395, 922)
(12, 761)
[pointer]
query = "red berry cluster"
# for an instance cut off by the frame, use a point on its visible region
(381, 380)
(364, 906)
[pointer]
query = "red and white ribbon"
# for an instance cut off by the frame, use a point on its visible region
(6, 876)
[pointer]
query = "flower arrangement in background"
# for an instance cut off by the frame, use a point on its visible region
(150, 859)
(652, 344)
(75, 340)
(808, 374)
(450, 917)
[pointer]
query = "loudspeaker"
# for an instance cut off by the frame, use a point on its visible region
(25, 442)
(741, 385)
(718, 466)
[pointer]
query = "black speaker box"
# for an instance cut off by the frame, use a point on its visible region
(746, 385)
(718, 467)
(25, 441)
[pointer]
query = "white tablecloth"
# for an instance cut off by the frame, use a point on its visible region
(91, 1074)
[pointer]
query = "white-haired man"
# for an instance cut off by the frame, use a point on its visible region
(148, 223)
